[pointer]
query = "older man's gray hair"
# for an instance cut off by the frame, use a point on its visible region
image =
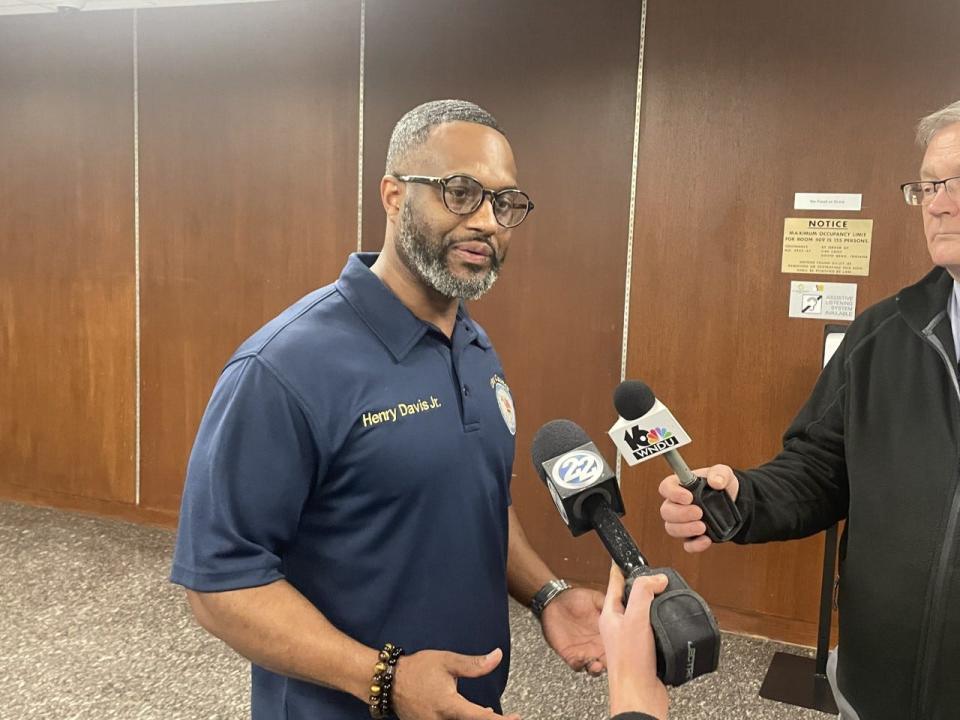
(935, 122)
(414, 127)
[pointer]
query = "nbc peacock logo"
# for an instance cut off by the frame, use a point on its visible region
(655, 435)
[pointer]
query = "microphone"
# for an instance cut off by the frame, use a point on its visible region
(645, 429)
(587, 495)
(584, 489)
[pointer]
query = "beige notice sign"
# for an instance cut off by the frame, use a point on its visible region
(826, 246)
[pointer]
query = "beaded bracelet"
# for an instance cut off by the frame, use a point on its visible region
(382, 682)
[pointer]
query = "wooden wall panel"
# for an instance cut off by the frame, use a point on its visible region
(561, 78)
(248, 161)
(66, 257)
(744, 104)
(248, 136)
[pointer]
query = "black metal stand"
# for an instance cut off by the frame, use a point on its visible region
(802, 681)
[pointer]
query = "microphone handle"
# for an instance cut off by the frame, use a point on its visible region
(613, 534)
(683, 471)
(686, 636)
(720, 514)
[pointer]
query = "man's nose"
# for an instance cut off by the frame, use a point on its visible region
(483, 218)
(943, 203)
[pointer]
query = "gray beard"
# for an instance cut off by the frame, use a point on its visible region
(428, 261)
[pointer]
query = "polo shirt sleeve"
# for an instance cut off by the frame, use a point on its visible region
(251, 470)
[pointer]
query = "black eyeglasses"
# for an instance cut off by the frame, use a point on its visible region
(462, 195)
(924, 191)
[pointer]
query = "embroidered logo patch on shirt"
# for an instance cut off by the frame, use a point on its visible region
(505, 402)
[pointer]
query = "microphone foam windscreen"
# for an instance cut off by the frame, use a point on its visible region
(554, 439)
(633, 399)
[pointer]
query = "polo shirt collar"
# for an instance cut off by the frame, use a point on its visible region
(388, 318)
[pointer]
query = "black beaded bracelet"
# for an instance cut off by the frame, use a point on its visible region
(382, 683)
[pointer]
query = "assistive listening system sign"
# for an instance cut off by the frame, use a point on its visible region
(823, 300)
(827, 246)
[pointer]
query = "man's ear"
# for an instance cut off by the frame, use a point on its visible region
(391, 195)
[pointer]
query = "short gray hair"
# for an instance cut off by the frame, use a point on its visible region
(413, 128)
(935, 122)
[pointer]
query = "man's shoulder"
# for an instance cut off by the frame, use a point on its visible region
(924, 293)
(898, 315)
(880, 320)
(322, 324)
(876, 315)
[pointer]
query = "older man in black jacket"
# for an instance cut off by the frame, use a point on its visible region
(878, 443)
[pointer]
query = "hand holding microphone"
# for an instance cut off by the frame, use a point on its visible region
(681, 517)
(587, 496)
(630, 646)
(646, 429)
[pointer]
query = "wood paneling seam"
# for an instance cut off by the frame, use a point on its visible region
(136, 258)
(363, 44)
(633, 203)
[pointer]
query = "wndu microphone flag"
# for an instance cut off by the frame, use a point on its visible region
(649, 435)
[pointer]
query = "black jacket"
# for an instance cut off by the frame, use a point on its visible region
(633, 716)
(878, 443)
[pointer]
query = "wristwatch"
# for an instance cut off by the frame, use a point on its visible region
(547, 593)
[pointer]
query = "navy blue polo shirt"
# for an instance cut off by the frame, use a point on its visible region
(357, 452)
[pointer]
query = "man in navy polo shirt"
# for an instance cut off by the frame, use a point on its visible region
(349, 485)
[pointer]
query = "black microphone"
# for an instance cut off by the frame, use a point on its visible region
(584, 489)
(587, 495)
(646, 429)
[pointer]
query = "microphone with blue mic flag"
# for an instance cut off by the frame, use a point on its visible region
(587, 495)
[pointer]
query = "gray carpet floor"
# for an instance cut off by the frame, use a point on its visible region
(90, 628)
